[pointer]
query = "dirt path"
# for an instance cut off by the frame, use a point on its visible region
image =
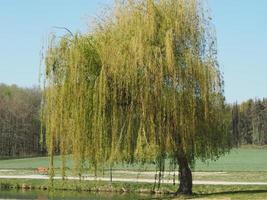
(141, 180)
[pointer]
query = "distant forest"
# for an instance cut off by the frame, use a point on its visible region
(250, 121)
(19, 121)
(20, 124)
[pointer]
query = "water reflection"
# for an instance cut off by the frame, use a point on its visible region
(41, 195)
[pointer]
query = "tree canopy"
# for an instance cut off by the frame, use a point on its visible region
(144, 85)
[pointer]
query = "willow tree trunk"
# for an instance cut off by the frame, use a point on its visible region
(185, 176)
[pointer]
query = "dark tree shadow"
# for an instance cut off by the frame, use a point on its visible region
(213, 194)
(228, 193)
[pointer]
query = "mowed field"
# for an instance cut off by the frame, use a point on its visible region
(247, 164)
(248, 159)
(243, 159)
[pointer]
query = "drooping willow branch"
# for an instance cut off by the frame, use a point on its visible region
(142, 87)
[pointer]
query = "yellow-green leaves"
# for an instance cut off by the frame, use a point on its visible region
(143, 85)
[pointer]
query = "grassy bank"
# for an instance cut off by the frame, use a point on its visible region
(165, 192)
(88, 186)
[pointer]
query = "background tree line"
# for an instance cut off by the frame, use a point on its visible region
(250, 121)
(19, 121)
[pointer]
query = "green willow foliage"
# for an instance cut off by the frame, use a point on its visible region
(143, 86)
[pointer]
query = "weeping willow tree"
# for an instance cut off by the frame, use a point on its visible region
(143, 86)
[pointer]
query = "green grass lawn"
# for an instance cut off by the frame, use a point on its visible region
(30, 163)
(242, 159)
(248, 164)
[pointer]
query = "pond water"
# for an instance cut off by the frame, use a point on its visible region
(41, 195)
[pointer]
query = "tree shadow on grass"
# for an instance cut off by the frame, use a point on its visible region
(213, 195)
(236, 192)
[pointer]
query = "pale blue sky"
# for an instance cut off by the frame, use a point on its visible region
(241, 30)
